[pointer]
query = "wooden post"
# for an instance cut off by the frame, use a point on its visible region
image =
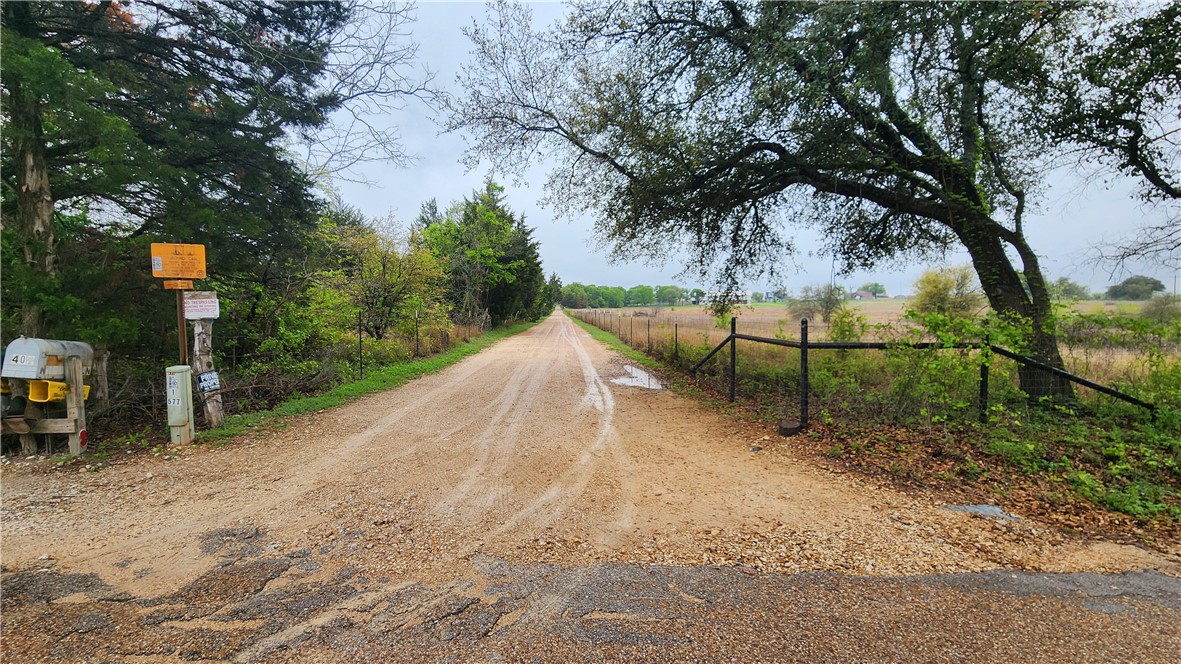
(203, 362)
(28, 444)
(32, 410)
(102, 390)
(180, 327)
(76, 405)
(733, 357)
(803, 374)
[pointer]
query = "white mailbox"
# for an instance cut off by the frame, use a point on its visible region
(43, 359)
(41, 376)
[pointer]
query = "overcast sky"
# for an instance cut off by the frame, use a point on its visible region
(1071, 220)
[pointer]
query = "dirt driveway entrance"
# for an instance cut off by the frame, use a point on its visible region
(521, 504)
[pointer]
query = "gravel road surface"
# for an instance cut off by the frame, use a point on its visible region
(522, 506)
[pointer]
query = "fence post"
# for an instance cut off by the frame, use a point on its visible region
(803, 374)
(676, 342)
(649, 336)
(733, 356)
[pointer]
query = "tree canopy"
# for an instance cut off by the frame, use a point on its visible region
(896, 129)
(1119, 104)
(949, 291)
(175, 121)
(493, 266)
(821, 300)
(1136, 287)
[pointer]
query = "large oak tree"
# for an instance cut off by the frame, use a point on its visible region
(895, 128)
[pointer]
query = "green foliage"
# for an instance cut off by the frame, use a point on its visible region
(669, 295)
(1104, 450)
(493, 267)
(392, 280)
(1065, 289)
(1163, 310)
(1136, 287)
(875, 288)
(1113, 95)
(640, 296)
(847, 325)
(821, 300)
(386, 378)
(552, 295)
(696, 125)
(580, 296)
(575, 296)
(950, 291)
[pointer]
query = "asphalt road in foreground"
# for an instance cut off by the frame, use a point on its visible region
(606, 611)
(523, 506)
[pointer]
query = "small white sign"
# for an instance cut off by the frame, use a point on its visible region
(201, 304)
(208, 382)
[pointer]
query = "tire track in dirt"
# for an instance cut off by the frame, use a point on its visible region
(571, 484)
(524, 452)
(496, 442)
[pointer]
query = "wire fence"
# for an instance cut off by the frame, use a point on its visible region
(935, 379)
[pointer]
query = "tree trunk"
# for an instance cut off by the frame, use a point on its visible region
(203, 362)
(1029, 311)
(34, 202)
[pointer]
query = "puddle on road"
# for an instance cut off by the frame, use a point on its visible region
(638, 378)
(987, 511)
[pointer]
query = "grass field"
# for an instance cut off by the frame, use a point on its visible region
(914, 414)
(658, 328)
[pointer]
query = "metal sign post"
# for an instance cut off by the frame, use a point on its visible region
(179, 263)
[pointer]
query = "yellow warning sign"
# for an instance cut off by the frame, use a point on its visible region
(178, 261)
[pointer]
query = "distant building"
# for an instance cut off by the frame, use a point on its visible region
(739, 297)
(862, 295)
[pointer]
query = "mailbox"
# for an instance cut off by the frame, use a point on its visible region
(40, 371)
(43, 359)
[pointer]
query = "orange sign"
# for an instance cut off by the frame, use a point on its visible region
(178, 284)
(178, 261)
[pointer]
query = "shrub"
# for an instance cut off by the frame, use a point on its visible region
(1163, 310)
(950, 291)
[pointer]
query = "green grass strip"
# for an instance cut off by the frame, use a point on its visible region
(379, 380)
(676, 380)
(614, 342)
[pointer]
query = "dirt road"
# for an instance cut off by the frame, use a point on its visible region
(521, 505)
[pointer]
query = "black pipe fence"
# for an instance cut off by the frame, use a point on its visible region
(612, 322)
(804, 346)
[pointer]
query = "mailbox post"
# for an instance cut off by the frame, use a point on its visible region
(180, 404)
(43, 375)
